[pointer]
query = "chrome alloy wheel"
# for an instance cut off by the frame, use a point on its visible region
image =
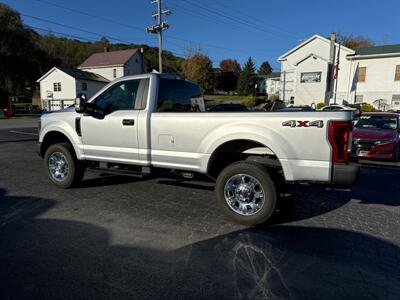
(244, 194)
(58, 166)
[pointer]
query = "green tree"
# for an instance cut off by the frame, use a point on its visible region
(20, 59)
(199, 67)
(247, 79)
(265, 68)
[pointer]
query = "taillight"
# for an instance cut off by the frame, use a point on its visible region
(340, 138)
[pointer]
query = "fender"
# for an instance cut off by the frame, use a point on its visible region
(67, 130)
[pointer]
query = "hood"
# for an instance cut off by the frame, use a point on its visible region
(375, 134)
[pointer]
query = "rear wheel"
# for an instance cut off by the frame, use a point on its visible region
(246, 193)
(62, 166)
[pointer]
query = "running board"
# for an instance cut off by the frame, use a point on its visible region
(116, 169)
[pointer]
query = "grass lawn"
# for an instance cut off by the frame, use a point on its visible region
(223, 98)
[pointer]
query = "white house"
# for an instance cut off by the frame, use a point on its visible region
(273, 83)
(268, 84)
(60, 86)
(370, 74)
(115, 64)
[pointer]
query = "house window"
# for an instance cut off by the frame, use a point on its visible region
(57, 86)
(397, 73)
(362, 72)
(359, 99)
(84, 86)
(396, 101)
(115, 73)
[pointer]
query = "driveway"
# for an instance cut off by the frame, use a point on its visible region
(163, 238)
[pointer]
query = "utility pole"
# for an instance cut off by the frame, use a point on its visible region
(158, 29)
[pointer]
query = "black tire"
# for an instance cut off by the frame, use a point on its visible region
(76, 170)
(261, 174)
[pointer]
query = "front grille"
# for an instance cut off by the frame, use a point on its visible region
(363, 145)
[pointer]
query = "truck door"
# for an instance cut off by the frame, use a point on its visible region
(112, 135)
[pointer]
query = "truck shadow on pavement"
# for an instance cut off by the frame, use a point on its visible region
(378, 186)
(375, 186)
(59, 259)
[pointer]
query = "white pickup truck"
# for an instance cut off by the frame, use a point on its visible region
(149, 121)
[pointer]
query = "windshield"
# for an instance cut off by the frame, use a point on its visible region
(381, 122)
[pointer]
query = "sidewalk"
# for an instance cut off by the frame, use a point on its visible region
(18, 123)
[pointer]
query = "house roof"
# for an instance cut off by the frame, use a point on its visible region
(77, 74)
(376, 50)
(84, 75)
(108, 58)
(316, 36)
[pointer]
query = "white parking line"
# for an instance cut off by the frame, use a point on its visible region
(21, 132)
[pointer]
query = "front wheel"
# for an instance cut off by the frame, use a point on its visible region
(246, 193)
(62, 166)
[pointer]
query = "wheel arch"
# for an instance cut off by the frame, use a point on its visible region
(54, 137)
(239, 149)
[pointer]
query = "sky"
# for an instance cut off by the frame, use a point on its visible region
(262, 29)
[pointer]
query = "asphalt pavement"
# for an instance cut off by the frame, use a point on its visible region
(163, 238)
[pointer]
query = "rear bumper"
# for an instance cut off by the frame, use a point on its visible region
(345, 174)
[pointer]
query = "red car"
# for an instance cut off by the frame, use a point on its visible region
(377, 135)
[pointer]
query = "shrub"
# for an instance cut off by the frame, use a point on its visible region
(320, 105)
(274, 97)
(366, 107)
(249, 101)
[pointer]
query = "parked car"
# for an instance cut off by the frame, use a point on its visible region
(376, 135)
(228, 107)
(297, 108)
(143, 122)
(8, 112)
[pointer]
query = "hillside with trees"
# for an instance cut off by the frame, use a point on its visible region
(25, 55)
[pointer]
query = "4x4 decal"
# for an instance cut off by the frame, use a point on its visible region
(298, 123)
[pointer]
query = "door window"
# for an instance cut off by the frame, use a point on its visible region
(121, 96)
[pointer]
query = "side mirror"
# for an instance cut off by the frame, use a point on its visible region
(80, 103)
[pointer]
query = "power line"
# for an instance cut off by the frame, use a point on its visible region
(84, 38)
(236, 20)
(75, 28)
(91, 15)
(61, 33)
(206, 17)
(252, 19)
(207, 45)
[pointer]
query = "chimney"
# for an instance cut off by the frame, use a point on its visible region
(105, 49)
